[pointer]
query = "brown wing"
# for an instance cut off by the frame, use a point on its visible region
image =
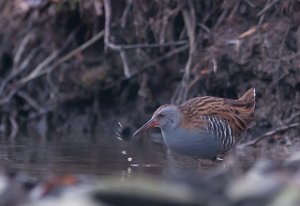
(239, 113)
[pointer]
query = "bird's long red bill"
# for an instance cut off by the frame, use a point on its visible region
(151, 123)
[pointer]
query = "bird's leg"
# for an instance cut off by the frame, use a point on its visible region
(218, 158)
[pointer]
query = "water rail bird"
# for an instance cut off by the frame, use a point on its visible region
(204, 127)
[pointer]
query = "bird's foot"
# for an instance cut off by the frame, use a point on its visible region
(218, 158)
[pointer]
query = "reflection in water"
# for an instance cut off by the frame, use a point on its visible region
(98, 156)
(102, 157)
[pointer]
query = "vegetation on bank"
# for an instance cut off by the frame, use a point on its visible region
(61, 56)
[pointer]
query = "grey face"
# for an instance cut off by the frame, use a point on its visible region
(168, 117)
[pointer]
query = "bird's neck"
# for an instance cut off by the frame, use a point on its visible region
(171, 126)
(167, 128)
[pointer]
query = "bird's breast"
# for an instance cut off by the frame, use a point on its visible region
(195, 143)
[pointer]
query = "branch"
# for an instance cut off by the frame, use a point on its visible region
(44, 67)
(267, 7)
(121, 48)
(21, 49)
(125, 13)
(16, 72)
(30, 100)
(14, 125)
(148, 65)
(189, 17)
(107, 7)
(125, 63)
(270, 133)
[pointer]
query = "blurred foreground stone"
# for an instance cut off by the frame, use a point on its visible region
(265, 183)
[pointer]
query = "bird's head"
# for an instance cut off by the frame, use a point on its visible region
(166, 117)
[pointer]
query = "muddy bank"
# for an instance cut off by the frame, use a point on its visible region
(103, 62)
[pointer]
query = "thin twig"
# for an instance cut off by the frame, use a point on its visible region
(148, 65)
(267, 7)
(250, 3)
(30, 100)
(79, 49)
(39, 71)
(195, 80)
(189, 17)
(125, 13)
(190, 21)
(221, 18)
(107, 7)
(141, 46)
(234, 10)
(38, 114)
(16, 72)
(14, 126)
(292, 117)
(204, 27)
(167, 55)
(121, 48)
(123, 55)
(21, 49)
(42, 67)
(270, 133)
(39, 67)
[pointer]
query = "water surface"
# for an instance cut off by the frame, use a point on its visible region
(107, 155)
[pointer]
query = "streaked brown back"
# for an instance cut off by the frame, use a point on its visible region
(239, 113)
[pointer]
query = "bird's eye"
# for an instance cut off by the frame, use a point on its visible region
(160, 115)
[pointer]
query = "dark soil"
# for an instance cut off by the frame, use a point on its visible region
(111, 61)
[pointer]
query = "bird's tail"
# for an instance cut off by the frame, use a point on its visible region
(248, 99)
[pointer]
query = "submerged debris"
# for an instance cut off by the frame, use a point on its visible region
(266, 183)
